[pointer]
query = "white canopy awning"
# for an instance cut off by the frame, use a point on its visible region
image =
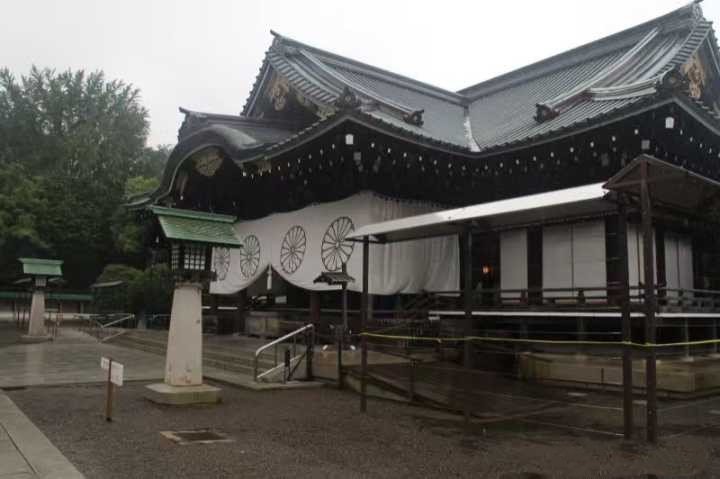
(523, 210)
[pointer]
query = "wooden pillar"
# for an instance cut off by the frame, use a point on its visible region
(650, 305)
(468, 304)
(624, 273)
(364, 319)
(239, 326)
(315, 312)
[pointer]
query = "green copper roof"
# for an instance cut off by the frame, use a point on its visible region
(200, 227)
(41, 267)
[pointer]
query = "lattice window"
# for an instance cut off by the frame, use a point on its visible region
(194, 257)
(175, 257)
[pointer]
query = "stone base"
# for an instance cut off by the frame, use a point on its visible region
(162, 393)
(27, 338)
(678, 375)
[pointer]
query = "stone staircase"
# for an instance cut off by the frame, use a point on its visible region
(230, 353)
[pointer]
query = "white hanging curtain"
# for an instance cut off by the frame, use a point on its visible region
(301, 244)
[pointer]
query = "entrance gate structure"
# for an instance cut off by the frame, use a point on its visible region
(648, 189)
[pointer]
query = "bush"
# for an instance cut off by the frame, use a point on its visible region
(149, 291)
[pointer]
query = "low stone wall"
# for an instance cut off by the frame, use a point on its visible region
(678, 375)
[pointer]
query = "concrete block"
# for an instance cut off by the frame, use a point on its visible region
(162, 393)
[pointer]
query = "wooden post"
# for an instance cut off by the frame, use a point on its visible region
(365, 313)
(340, 333)
(468, 327)
(686, 337)
(315, 312)
(411, 382)
(650, 327)
(108, 400)
(239, 326)
(344, 308)
(309, 350)
(627, 379)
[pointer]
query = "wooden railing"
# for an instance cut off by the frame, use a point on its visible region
(598, 298)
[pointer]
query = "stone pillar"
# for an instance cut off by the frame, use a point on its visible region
(36, 325)
(183, 360)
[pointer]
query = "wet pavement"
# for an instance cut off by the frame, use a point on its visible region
(73, 357)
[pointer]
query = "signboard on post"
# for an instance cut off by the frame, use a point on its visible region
(117, 370)
(114, 377)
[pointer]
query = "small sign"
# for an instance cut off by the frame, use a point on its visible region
(117, 370)
(116, 374)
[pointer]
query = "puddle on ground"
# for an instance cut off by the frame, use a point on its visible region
(524, 475)
(655, 476)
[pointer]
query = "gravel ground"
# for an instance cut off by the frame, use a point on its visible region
(320, 433)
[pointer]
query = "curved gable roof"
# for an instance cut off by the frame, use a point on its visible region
(573, 87)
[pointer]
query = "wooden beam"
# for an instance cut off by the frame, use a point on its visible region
(650, 302)
(364, 322)
(627, 379)
(468, 323)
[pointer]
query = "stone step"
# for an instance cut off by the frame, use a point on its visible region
(241, 362)
(222, 352)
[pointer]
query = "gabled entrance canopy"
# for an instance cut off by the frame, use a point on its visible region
(514, 212)
(669, 185)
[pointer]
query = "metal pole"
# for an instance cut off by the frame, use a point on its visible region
(467, 300)
(627, 378)
(363, 323)
(650, 327)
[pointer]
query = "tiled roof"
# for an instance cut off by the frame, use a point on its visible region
(576, 87)
(196, 226)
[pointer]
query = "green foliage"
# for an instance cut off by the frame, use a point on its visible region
(118, 272)
(22, 207)
(151, 163)
(72, 145)
(151, 292)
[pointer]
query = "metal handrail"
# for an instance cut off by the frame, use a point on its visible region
(275, 342)
(117, 321)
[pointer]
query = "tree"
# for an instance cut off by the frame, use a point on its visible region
(151, 162)
(73, 139)
(149, 291)
(22, 204)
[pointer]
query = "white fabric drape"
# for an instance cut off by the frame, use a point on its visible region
(574, 256)
(513, 261)
(301, 244)
(678, 262)
(636, 258)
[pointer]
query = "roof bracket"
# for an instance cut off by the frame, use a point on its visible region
(348, 100)
(545, 113)
(414, 117)
(673, 81)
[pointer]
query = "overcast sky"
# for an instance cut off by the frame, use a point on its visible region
(204, 55)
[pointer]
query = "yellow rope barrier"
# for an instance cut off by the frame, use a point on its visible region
(542, 341)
